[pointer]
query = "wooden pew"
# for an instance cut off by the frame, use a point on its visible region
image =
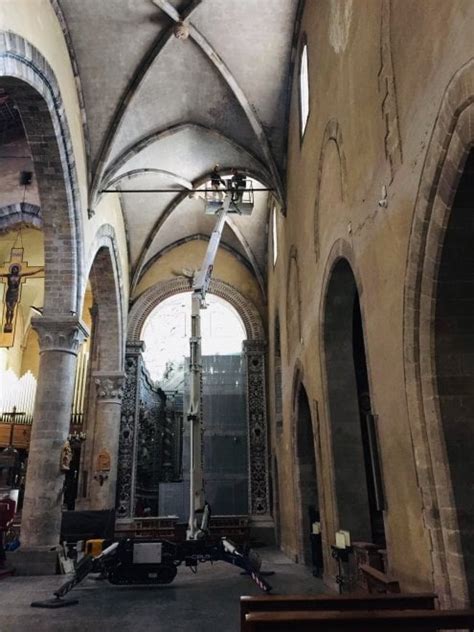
(378, 582)
(291, 603)
(355, 621)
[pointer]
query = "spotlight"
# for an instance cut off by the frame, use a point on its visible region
(181, 31)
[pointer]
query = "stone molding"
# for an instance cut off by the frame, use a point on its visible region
(64, 335)
(154, 295)
(20, 213)
(110, 385)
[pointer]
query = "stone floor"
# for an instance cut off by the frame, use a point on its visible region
(206, 602)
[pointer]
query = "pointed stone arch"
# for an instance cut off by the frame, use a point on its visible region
(151, 297)
(451, 141)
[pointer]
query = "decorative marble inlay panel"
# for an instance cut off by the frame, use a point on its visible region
(257, 424)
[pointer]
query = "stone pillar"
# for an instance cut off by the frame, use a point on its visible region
(259, 502)
(59, 342)
(103, 483)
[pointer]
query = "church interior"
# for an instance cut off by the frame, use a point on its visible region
(236, 314)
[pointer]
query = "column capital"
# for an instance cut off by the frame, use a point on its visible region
(65, 335)
(110, 385)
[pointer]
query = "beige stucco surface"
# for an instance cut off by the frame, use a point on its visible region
(428, 43)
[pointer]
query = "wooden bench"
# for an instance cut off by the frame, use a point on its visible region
(355, 621)
(307, 603)
(378, 582)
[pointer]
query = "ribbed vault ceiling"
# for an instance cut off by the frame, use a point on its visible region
(162, 111)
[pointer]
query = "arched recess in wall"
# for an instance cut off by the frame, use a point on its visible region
(306, 480)
(357, 480)
(332, 140)
(438, 348)
(29, 80)
(293, 301)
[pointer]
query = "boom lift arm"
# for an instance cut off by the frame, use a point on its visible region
(197, 504)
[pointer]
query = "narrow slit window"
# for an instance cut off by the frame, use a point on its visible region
(304, 88)
(274, 235)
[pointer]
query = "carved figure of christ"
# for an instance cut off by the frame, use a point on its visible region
(14, 273)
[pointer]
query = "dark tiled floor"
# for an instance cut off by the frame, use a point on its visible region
(206, 602)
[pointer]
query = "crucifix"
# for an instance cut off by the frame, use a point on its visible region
(15, 272)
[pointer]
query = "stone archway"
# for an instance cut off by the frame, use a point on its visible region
(29, 80)
(451, 141)
(254, 350)
(106, 374)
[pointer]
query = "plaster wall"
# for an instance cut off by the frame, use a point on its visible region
(356, 50)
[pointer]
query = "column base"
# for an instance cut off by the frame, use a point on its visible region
(262, 529)
(34, 561)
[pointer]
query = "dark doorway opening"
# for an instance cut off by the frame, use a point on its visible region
(358, 480)
(454, 357)
(307, 483)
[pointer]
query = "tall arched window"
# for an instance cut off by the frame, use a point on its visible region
(304, 88)
(274, 234)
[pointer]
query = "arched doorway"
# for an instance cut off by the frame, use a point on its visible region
(306, 480)
(454, 358)
(224, 409)
(431, 270)
(31, 84)
(254, 348)
(358, 484)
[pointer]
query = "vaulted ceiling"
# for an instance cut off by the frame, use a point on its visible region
(162, 111)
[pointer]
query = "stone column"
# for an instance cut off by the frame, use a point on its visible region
(103, 483)
(59, 342)
(259, 504)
